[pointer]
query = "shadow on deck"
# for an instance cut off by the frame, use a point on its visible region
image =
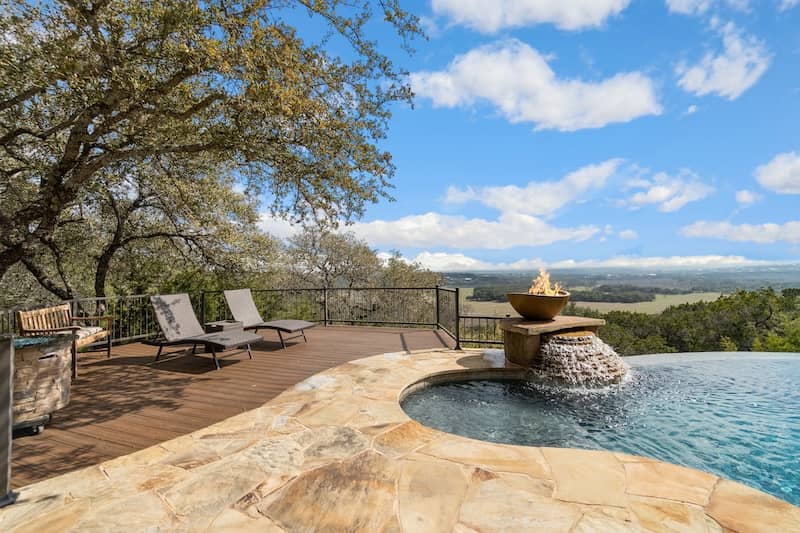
(127, 403)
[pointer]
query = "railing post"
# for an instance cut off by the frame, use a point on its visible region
(325, 306)
(458, 319)
(437, 306)
(203, 306)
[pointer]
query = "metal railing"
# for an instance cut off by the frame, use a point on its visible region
(438, 307)
(480, 330)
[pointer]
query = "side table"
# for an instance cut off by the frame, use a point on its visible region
(223, 325)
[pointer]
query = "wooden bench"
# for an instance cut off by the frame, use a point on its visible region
(59, 320)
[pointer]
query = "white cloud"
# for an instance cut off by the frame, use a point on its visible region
(689, 7)
(454, 195)
(628, 234)
(489, 17)
(691, 110)
(759, 233)
(670, 193)
(517, 80)
(538, 197)
(277, 227)
(458, 262)
(729, 73)
(745, 197)
(782, 174)
(434, 229)
(675, 261)
(788, 4)
(698, 7)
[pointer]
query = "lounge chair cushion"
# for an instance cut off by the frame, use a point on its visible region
(176, 316)
(243, 308)
(289, 326)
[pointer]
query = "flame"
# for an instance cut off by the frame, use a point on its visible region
(541, 285)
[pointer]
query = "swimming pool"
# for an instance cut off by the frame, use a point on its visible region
(736, 415)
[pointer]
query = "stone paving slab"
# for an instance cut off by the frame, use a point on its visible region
(337, 453)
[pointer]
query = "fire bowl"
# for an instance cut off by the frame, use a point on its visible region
(538, 306)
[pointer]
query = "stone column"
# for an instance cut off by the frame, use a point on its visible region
(6, 419)
(522, 339)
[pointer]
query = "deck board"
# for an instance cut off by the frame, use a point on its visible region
(127, 403)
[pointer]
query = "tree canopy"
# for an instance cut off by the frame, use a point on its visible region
(176, 94)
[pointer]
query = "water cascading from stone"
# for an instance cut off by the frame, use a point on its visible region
(578, 359)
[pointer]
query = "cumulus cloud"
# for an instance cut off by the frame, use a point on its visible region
(655, 262)
(538, 197)
(628, 234)
(277, 227)
(489, 17)
(698, 7)
(670, 193)
(517, 80)
(758, 233)
(730, 72)
(691, 110)
(782, 174)
(689, 7)
(745, 197)
(458, 262)
(434, 229)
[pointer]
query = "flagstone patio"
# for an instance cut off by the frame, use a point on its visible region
(336, 452)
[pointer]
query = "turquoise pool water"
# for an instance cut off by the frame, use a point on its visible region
(737, 415)
(22, 342)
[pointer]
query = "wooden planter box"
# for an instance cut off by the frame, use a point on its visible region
(42, 378)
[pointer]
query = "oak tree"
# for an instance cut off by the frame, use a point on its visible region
(295, 113)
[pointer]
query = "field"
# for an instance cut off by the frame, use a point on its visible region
(661, 302)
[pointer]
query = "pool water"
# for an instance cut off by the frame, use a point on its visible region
(24, 342)
(737, 416)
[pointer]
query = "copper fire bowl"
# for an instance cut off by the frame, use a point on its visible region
(538, 306)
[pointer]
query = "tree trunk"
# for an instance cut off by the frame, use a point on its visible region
(64, 293)
(103, 267)
(10, 257)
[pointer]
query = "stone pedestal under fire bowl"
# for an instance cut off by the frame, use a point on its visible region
(538, 306)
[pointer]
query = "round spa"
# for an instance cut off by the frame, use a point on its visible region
(733, 414)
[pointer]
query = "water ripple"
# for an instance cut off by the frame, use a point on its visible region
(737, 418)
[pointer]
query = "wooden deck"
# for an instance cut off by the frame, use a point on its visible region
(127, 403)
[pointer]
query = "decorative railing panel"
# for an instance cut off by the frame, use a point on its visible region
(480, 330)
(133, 317)
(447, 310)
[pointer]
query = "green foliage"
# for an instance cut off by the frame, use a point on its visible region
(89, 87)
(318, 257)
(727, 344)
(745, 320)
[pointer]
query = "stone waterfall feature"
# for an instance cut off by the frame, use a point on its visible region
(564, 350)
(578, 359)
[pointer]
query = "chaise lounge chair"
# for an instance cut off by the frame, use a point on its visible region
(243, 309)
(179, 326)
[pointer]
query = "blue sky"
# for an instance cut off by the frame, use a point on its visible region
(596, 133)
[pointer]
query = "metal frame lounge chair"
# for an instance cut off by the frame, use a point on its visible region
(179, 326)
(243, 309)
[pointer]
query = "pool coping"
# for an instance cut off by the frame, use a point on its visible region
(336, 451)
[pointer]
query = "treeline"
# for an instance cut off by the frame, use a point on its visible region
(602, 293)
(763, 320)
(312, 258)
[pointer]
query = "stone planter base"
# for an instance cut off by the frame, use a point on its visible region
(522, 338)
(42, 379)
